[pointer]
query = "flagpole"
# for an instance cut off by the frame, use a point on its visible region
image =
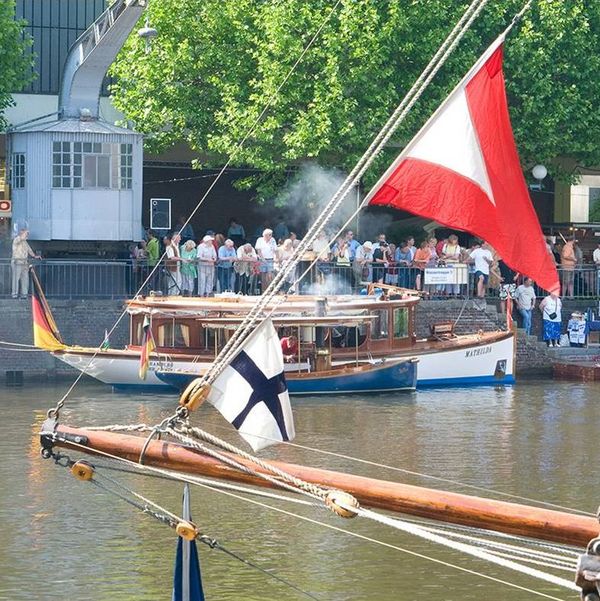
(185, 549)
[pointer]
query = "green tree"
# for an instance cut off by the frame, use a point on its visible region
(15, 60)
(216, 63)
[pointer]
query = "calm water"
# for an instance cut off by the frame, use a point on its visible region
(64, 539)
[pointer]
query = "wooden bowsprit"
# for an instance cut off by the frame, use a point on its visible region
(511, 518)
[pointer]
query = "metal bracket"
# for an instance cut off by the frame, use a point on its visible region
(49, 436)
(588, 572)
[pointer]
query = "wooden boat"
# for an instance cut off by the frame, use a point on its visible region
(346, 378)
(359, 329)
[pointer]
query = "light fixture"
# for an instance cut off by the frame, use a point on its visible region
(147, 33)
(539, 172)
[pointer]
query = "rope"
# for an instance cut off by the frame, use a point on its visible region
(419, 474)
(376, 146)
(166, 517)
(287, 480)
(183, 478)
(233, 449)
(465, 548)
(525, 554)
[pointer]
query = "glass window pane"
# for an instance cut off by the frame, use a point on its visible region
(103, 172)
(66, 146)
(77, 170)
(89, 171)
(56, 182)
(66, 182)
(56, 170)
(56, 146)
(76, 182)
(56, 159)
(97, 147)
(87, 147)
(77, 146)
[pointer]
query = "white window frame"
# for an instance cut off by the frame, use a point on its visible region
(18, 170)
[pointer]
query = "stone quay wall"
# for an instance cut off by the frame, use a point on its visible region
(84, 322)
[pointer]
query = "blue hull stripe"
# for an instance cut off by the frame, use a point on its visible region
(467, 381)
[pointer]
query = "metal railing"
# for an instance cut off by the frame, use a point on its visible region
(120, 279)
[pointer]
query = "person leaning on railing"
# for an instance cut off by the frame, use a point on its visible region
(403, 259)
(568, 260)
(21, 251)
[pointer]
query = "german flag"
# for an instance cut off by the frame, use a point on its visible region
(147, 347)
(45, 332)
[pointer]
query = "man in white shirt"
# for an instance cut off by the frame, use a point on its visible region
(482, 257)
(207, 257)
(265, 249)
(21, 251)
(525, 296)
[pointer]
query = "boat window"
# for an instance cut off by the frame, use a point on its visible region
(379, 327)
(137, 333)
(357, 335)
(182, 335)
(400, 323)
(164, 334)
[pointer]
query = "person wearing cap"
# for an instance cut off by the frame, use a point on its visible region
(265, 249)
(207, 257)
(362, 263)
(21, 251)
(225, 273)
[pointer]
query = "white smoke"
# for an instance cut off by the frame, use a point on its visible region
(303, 199)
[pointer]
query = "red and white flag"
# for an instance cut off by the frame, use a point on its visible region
(462, 170)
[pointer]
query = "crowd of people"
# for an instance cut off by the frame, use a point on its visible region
(232, 262)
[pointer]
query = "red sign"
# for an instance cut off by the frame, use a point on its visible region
(5, 208)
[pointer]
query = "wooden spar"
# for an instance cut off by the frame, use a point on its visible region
(510, 518)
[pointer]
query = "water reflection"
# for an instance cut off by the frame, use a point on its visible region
(64, 539)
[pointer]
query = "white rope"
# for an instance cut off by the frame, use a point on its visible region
(419, 474)
(191, 480)
(465, 548)
(376, 146)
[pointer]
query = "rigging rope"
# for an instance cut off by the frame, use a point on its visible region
(271, 99)
(366, 513)
(219, 442)
(376, 146)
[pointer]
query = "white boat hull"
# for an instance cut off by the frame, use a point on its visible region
(490, 362)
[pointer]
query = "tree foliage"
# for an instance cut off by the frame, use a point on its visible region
(15, 61)
(216, 63)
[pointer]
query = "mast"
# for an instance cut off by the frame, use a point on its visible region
(500, 516)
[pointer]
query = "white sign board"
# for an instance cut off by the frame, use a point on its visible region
(451, 274)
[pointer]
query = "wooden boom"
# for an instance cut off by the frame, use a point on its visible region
(511, 518)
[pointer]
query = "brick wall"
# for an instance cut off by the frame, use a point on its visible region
(79, 322)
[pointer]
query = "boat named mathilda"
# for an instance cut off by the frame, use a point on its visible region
(344, 343)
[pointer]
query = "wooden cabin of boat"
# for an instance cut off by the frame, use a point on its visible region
(339, 327)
